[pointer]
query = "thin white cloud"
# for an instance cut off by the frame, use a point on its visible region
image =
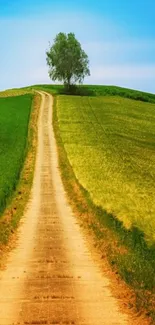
(121, 51)
(119, 45)
(134, 72)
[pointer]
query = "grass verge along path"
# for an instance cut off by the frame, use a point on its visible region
(18, 122)
(106, 156)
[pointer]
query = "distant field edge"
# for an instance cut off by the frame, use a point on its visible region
(97, 90)
(125, 250)
(17, 201)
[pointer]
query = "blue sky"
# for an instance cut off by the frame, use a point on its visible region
(118, 36)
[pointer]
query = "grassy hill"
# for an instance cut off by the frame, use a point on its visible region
(105, 137)
(107, 158)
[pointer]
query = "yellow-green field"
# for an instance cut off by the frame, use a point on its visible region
(14, 92)
(110, 145)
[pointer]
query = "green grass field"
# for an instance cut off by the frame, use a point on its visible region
(110, 145)
(14, 120)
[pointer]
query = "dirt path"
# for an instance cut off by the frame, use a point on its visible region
(51, 277)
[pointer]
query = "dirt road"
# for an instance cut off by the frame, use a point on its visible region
(51, 277)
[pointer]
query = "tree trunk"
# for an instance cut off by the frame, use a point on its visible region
(68, 83)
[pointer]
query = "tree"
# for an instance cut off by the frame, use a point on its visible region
(67, 61)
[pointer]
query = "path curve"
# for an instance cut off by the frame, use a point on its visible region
(51, 277)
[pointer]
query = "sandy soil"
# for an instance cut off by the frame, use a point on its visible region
(51, 276)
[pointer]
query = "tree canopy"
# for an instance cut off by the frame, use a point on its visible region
(67, 61)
